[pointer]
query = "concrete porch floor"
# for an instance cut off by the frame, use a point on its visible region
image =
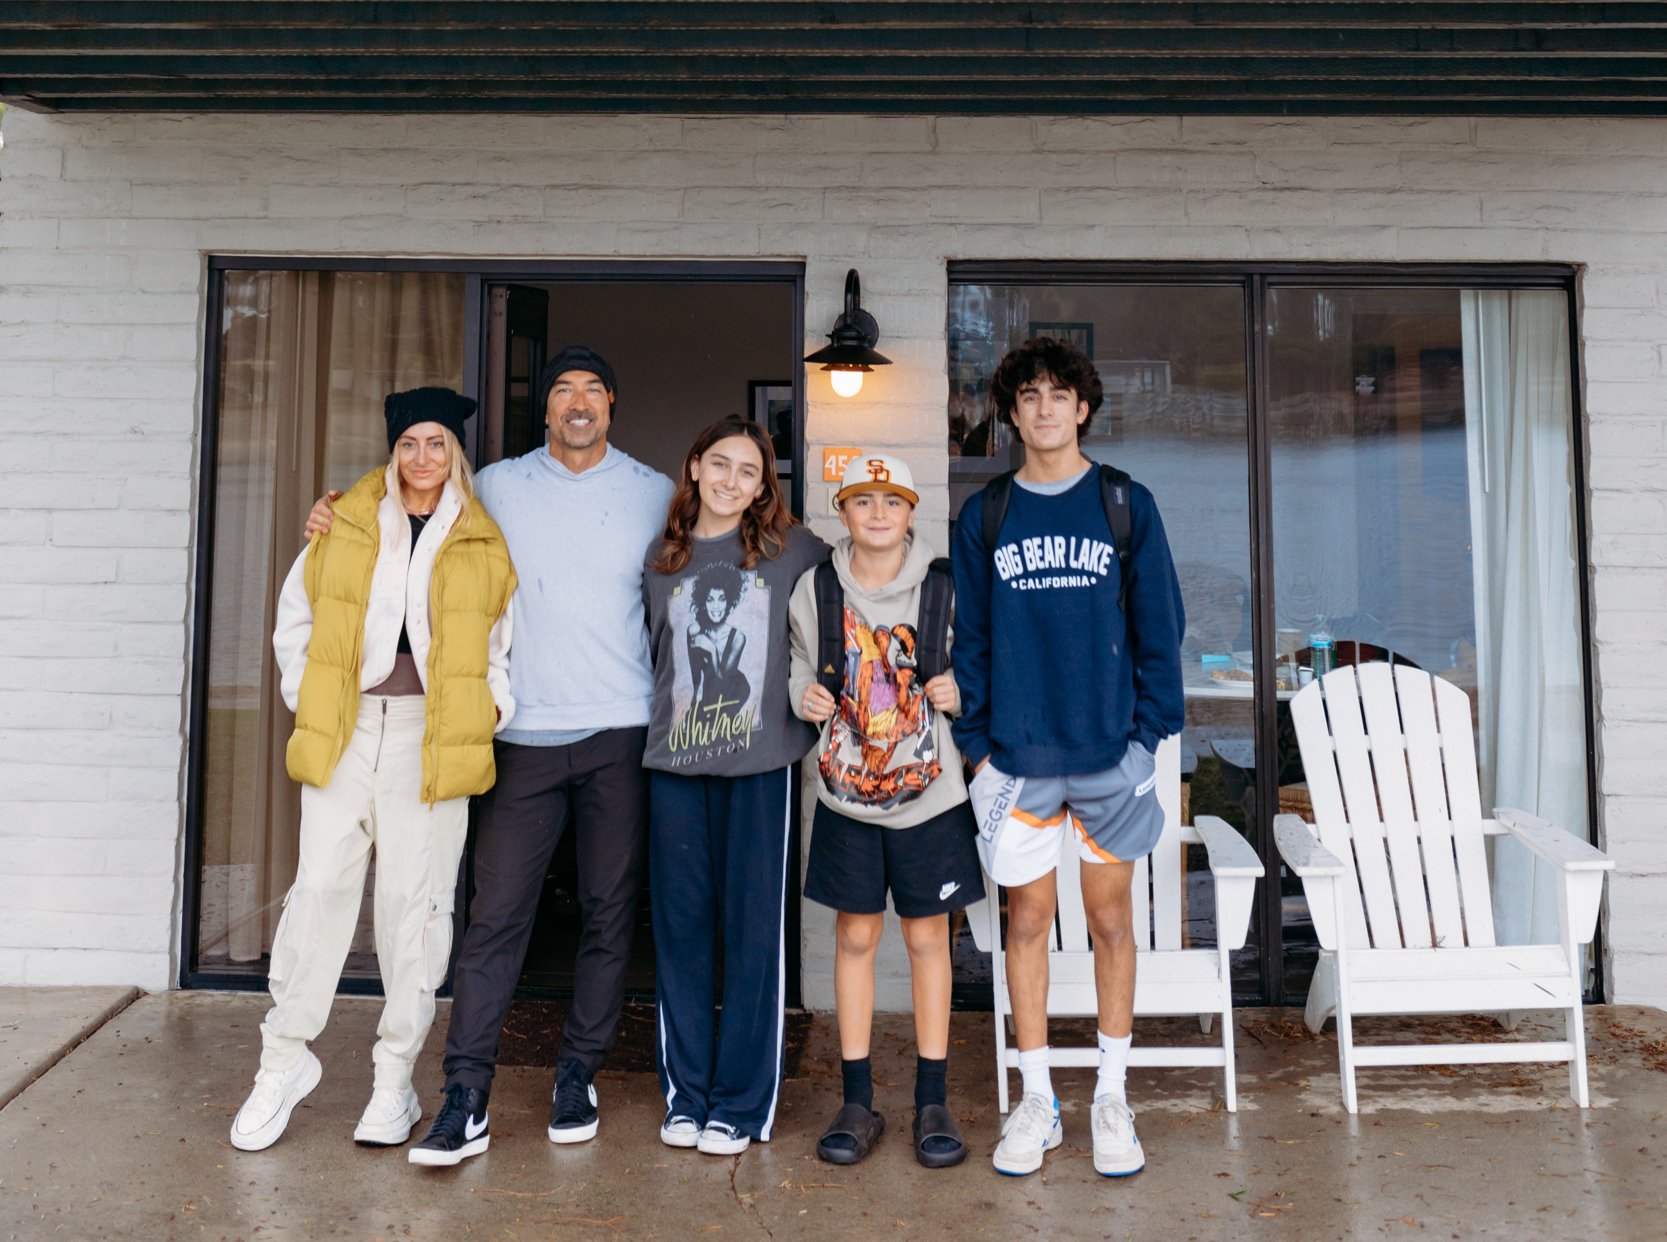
(124, 1136)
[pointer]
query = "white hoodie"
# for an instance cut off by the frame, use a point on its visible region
(399, 588)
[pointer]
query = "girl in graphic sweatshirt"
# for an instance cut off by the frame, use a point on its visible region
(721, 744)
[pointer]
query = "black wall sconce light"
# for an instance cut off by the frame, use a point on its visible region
(851, 351)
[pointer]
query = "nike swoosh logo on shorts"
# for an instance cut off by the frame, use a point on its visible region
(471, 1131)
(946, 890)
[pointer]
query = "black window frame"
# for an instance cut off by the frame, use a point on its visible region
(1256, 280)
(478, 274)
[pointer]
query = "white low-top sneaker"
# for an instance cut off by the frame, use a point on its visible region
(1029, 1134)
(388, 1118)
(1117, 1150)
(680, 1132)
(722, 1139)
(261, 1120)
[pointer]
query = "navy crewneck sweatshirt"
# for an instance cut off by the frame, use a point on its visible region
(1055, 680)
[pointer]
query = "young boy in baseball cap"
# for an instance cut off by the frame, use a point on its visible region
(892, 812)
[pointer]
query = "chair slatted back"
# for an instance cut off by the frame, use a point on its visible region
(1157, 877)
(1391, 768)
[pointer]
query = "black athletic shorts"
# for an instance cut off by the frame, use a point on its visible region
(931, 868)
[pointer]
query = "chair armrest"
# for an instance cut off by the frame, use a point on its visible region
(1301, 849)
(1229, 853)
(1234, 869)
(978, 918)
(1557, 846)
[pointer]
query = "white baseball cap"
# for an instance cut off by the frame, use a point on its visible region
(877, 472)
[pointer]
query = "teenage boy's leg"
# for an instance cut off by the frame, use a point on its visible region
(1118, 820)
(1107, 902)
(856, 938)
(519, 825)
(931, 980)
(1030, 915)
(610, 816)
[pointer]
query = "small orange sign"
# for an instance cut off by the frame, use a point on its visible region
(834, 461)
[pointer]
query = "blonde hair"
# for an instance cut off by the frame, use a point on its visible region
(459, 473)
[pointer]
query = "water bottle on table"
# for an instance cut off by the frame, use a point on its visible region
(1324, 652)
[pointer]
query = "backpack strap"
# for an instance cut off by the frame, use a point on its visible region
(830, 637)
(1114, 496)
(937, 595)
(997, 492)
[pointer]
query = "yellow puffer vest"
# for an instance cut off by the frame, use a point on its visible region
(470, 588)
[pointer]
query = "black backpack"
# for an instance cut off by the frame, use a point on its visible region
(1114, 497)
(937, 593)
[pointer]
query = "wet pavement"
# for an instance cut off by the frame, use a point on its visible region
(125, 1137)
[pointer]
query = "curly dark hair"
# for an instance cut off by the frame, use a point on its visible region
(1045, 357)
(719, 577)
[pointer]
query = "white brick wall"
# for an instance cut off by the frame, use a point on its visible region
(104, 222)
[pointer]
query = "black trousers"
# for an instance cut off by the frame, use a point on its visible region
(601, 780)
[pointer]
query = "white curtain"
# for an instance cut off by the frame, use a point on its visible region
(1532, 735)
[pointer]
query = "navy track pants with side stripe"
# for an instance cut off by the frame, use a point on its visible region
(718, 882)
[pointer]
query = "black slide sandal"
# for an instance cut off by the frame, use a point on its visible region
(937, 1122)
(859, 1125)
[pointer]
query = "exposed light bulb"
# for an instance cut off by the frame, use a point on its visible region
(846, 383)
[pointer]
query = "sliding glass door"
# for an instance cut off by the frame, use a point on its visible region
(1381, 458)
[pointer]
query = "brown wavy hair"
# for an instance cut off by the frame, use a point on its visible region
(764, 523)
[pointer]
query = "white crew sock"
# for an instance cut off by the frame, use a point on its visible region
(1114, 1066)
(1033, 1069)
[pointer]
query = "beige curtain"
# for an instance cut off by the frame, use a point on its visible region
(306, 358)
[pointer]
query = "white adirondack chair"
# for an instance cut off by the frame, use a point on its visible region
(1397, 877)
(1169, 980)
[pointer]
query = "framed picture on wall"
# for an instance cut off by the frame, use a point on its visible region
(1079, 334)
(770, 403)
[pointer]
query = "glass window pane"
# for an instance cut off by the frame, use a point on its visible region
(1423, 513)
(1172, 362)
(306, 359)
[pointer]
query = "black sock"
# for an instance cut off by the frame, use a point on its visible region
(859, 1081)
(929, 1081)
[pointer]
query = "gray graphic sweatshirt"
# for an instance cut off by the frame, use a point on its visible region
(719, 638)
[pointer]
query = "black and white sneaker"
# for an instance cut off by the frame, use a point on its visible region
(572, 1105)
(459, 1130)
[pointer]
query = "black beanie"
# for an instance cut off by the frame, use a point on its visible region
(578, 358)
(405, 410)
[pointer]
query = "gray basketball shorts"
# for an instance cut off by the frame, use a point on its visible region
(1026, 823)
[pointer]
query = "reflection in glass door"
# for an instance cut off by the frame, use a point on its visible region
(1410, 436)
(1423, 513)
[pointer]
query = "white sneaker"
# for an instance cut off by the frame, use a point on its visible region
(388, 1118)
(680, 1132)
(1030, 1133)
(721, 1139)
(261, 1120)
(1117, 1150)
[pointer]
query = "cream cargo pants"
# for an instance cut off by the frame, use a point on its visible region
(372, 800)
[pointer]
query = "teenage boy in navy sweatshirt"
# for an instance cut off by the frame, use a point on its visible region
(1065, 697)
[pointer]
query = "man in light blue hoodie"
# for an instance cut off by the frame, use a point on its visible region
(578, 516)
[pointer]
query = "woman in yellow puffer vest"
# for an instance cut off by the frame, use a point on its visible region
(392, 639)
